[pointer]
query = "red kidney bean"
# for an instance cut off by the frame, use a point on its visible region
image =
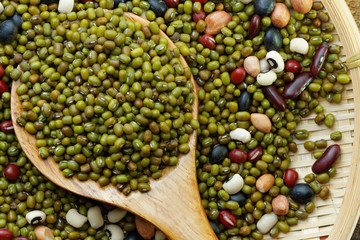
(3, 87)
(254, 28)
(227, 219)
(20, 238)
(208, 41)
(199, 16)
(12, 172)
(238, 156)
(319, 59)
(275, 98)
(201, 1)
(7, 127)
(238, 75)
(2, 71)
(255, 154)
(108, 206)
(327, 159)
(172, 3)
(295, 87)
(5, 234)
(290, 177)
(293, 66)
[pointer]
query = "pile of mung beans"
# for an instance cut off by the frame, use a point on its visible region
(109, 101)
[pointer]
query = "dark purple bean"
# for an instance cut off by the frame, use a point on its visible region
(302, 193)
(295, 87)
(254, 28)
(319, 59)
(255, 154)
(327, 159)
(7, 127)
(275, 98)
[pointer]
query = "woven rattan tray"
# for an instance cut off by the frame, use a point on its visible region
(338, 215)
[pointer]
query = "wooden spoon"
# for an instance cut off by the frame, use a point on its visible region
(173, 205)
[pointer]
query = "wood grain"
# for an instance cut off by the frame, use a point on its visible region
(173, 205)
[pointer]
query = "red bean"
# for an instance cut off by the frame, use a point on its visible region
(295, 87)
(254, 28)
(238, 156)
(12, 172)
(227, 219)
(293, 66)
(3, 87)
(208, 41)
(199, 16)
(327, 159)
(5, 234)
(237, 76)
(2, 71)
(7, 127)
(255, 154)
(275, 98)
(20, 238)
(290, 177)
(201, 1)
(319, 59)
(172, 3)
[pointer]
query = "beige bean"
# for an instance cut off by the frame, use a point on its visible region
(252, 65)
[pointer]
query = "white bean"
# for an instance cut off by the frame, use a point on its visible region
(266, 79)
(234, 185)
(65, 6)
(95, 217)
(246, 1)
(299, 45)
(264, 65)
(75, 219)
(241, 135)
(114, 232)
(159, 235)
(35, 217)
(266, 222)
(275, 61)
(116, 215)
(1, 8)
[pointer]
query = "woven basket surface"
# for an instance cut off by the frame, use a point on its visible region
(321, 221)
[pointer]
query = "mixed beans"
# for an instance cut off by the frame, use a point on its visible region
(109, 101)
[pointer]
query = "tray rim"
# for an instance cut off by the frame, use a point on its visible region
(349, 35)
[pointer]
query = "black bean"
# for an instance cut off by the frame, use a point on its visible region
(17, 19)
(244, 101)
(264, 7)
(8, 31)
(159, 7)
(218, 154)
(273, 39)
(239, 198)
(133, 236)
(302, 193)
(215, 227)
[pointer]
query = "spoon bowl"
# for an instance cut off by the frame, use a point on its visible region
(173, 205)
